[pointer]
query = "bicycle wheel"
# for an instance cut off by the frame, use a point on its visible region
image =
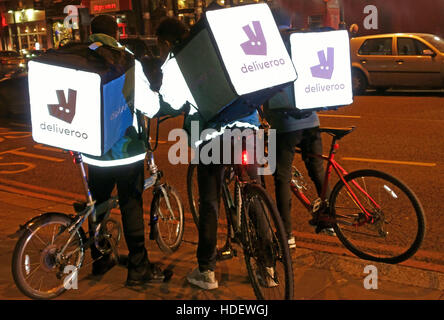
(193, 192)
(265, 246)
(398, 226)
(36, 270)
(170, 219)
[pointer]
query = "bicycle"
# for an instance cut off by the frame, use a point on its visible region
(364, 208)
(54, 244)
(254, 224)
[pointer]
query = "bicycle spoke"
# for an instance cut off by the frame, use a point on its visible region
(38, 238)
(53, 235)
(32, 273)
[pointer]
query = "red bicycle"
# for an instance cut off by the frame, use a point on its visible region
(375, 215)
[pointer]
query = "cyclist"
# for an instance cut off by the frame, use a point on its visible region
(296, 129)
(169, 33)
(123, 165)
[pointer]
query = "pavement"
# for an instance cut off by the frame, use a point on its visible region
(321, 271)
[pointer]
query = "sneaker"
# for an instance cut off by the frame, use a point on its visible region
(269, 281)
(325, 228)
(205, 280)
(103, 265)
(152, 274)
(322, 225)
(291, 242)
(328, 231)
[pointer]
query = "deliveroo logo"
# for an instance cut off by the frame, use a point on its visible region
(256, 44)
(64, 110)
(325, 67)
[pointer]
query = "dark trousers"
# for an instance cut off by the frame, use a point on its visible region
(129, 180)
(309, 140)
(210, 181)
(210, 186)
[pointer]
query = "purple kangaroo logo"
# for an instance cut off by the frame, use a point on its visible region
(65, 110)
(256, 44)
(326, 65)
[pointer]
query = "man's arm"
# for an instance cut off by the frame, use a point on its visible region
(145, 99)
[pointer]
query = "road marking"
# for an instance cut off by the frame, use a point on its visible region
(411, 163)
(160, 141)
(28, 166)
(16, 134)
(338, 116)
(18, 152)
(22, 185)
(19, 124)
(36, 195)
(43, 147)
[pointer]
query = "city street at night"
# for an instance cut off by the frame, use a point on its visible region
(221, 158)
(395, 132)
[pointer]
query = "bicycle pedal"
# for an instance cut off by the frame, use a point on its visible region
(225, 255)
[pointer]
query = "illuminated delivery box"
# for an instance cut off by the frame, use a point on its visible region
(234, 58)
(322, 60)
(80, 102)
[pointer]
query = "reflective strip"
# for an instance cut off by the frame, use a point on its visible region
(126, 49)
(174, 89)
(95, 45)
(113, 163)
(221, 132)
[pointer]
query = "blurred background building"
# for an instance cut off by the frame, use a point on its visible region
(43, 24)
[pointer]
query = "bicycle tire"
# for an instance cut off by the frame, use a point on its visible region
(378, 241)
(169, 232)
(21, 262)
(193, 192)
(254, 248)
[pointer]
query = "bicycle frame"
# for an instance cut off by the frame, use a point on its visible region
(90, 210)
(341, 172)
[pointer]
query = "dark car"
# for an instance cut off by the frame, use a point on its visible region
(14, 96)
(10, 61)
(31, 54)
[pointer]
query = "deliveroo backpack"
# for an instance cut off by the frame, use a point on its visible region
(233, 61)
(81, 97)
(322, 59)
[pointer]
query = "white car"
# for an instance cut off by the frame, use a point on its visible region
(401, 60)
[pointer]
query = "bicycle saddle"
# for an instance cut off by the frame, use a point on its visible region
(338, 133)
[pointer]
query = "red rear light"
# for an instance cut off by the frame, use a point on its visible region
(244, 157)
